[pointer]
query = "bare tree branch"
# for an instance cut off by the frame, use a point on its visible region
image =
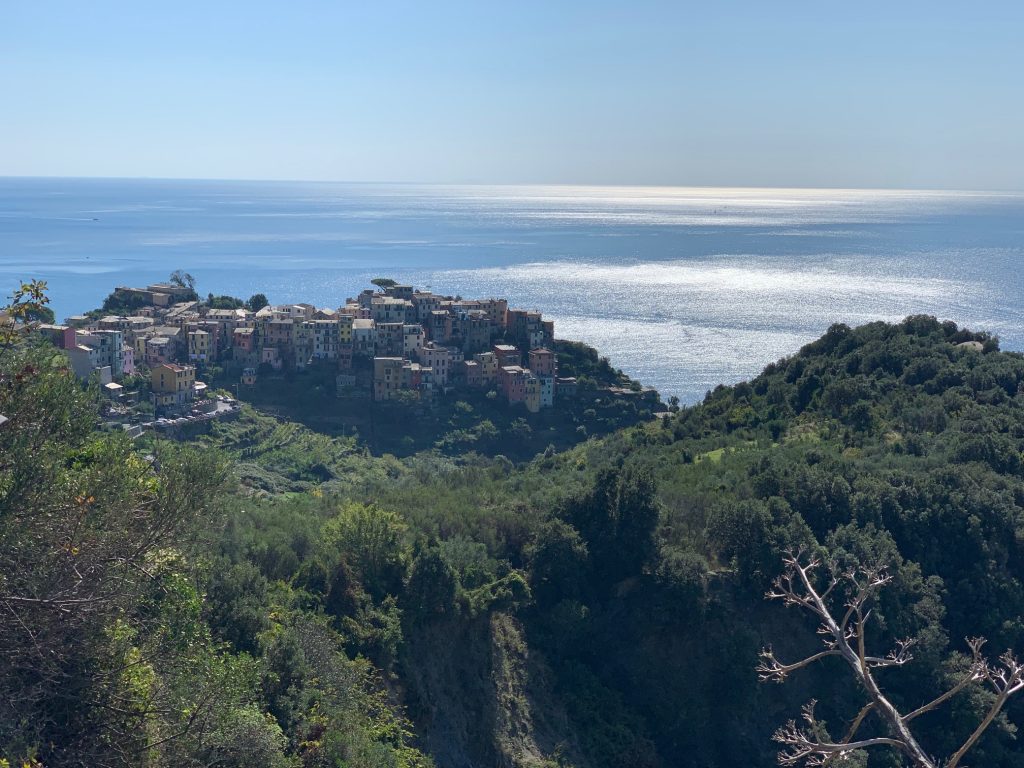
(847, 638)
(857, 721)
(1007, 679)
(803, 746)
(774, 670)
(978, 672)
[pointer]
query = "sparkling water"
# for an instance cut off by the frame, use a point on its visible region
(683, 288)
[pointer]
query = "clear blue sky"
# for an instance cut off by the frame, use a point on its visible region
(787, 93)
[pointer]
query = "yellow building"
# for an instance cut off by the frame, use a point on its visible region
(532, 399)
(198, 346)
(488, 362)
(345, 329)
(173, 385)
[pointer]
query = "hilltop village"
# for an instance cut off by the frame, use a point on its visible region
(392, 343)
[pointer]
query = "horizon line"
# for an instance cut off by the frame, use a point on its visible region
(556, 185)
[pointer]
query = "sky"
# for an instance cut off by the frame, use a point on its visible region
(792, 93)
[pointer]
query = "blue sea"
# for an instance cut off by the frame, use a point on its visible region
(683, 288)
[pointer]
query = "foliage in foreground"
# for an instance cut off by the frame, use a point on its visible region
(107, 653)
(596, 607)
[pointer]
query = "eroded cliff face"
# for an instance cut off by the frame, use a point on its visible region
(480, 697)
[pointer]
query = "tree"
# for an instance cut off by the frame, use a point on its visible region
(223, 302)
(617, 518)
(637, 512)
(183, 279)
(94, 600)
(40, 315)
(87, 531)
(432, 585)
(370, 539)
(237, 603)
(27, 308)
(853, 590)
(256, 302)
(384, 282)
(558, 564)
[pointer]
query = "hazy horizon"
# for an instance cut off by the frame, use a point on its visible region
(528, 184)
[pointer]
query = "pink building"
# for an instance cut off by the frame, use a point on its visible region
(244, 340)
(512, 383)
(62, 336)
(543, 362)
(127, 360)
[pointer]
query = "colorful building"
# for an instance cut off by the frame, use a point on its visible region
(512, 382)
(174, 386)
(488, 362)
(345, 328)
(244, 342)
(543, 362)
(160, 350)
(61, 336)
(439, 360)
(198, 346)
(531, 398)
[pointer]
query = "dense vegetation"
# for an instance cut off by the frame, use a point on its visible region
(591, 369)
(274, 596)
(462, 421)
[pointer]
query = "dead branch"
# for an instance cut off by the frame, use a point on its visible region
(847, 639)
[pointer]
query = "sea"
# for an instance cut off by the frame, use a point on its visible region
(682, 288)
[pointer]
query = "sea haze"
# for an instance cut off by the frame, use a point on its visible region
(681, 288)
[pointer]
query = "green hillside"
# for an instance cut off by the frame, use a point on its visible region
(271, 596)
